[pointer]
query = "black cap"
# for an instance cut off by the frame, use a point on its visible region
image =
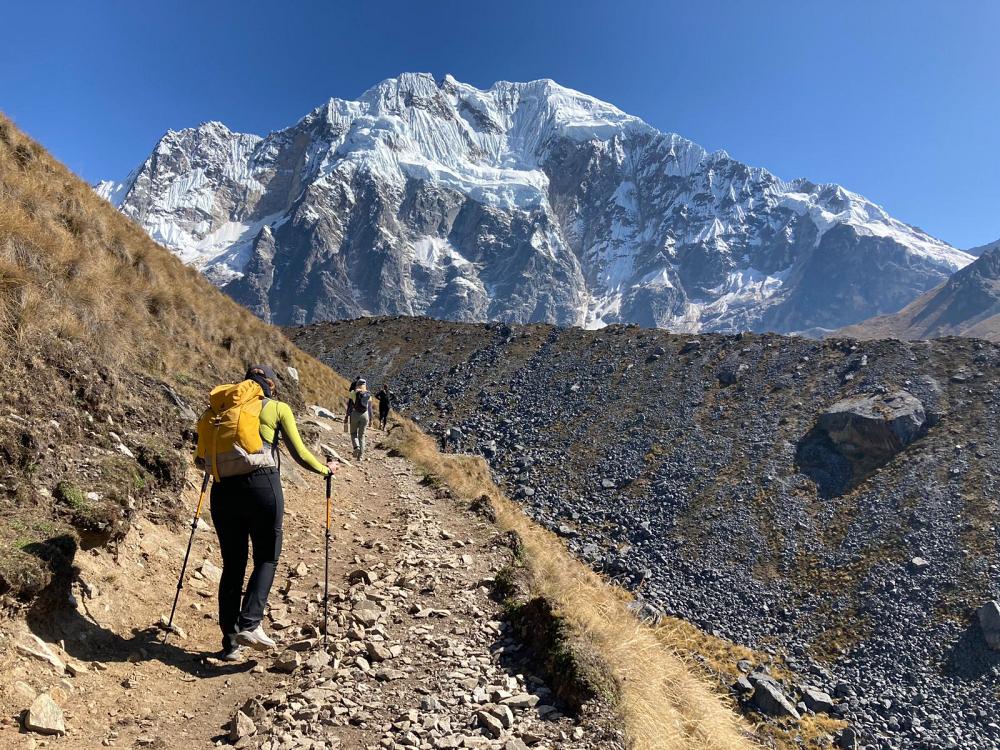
(266, 369)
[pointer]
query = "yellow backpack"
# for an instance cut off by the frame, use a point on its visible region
(229, 441)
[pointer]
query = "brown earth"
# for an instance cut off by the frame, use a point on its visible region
(133, 691)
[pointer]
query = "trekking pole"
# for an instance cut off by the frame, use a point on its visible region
(194, 526)
(326, 567)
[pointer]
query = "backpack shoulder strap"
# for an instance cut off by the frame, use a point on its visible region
(272, 404)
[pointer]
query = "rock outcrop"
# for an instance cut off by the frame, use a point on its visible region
(873, 428)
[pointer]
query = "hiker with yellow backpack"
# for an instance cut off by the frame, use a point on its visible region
(238, 439)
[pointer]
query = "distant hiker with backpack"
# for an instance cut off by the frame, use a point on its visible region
(359, 415)
(385, 398)
(238, 439)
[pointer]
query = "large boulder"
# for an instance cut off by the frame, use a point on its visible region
(874, 427)
(857, 435)
(989, 621)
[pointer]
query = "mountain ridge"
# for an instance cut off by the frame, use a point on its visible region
(967, 304)
(524, 201)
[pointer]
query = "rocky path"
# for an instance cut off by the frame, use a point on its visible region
(418, 656)
(418, 653)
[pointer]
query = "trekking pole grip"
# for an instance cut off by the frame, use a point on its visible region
(329, 494)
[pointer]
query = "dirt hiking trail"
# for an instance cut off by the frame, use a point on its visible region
(419, 654)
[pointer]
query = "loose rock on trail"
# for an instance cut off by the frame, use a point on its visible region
(418, 654)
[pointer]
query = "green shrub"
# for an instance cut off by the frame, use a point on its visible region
(70, 494)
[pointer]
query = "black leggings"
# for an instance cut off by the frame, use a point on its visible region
(246, 509)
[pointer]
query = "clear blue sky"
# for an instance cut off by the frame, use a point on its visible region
(898, 100)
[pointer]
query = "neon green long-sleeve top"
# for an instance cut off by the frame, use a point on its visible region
(277, 414)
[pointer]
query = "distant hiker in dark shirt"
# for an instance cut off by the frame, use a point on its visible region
(359, 416)
(385, 398)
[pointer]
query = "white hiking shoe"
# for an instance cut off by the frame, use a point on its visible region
(236, 653)
(256, 639)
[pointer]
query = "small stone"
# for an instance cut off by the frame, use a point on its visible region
(430, 703)
(847, 739)
(816, 700)
(503, 713)
(318, 660)
(75, 668)
(361, 576)
(241, 726)
(767, 697)
(490, 724)
(301, 570)
(367, 613)
(378, 652)
(210, 571)
(520, 701)
(24, 691)
(319, 411)
(173, 627)
(31, 645)
(287, 661)
(44, 716)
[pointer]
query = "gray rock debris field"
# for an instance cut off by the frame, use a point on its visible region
(678, 465)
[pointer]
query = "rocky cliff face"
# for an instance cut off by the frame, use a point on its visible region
(835, 499)
(524, 202)
(967, 304)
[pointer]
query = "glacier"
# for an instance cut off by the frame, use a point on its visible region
(521, 202)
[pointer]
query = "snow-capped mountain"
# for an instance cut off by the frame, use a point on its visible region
(524, 202)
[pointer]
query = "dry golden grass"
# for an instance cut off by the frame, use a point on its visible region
(73, 269)
(663, 703)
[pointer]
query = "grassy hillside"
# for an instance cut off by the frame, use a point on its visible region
(108, 345)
